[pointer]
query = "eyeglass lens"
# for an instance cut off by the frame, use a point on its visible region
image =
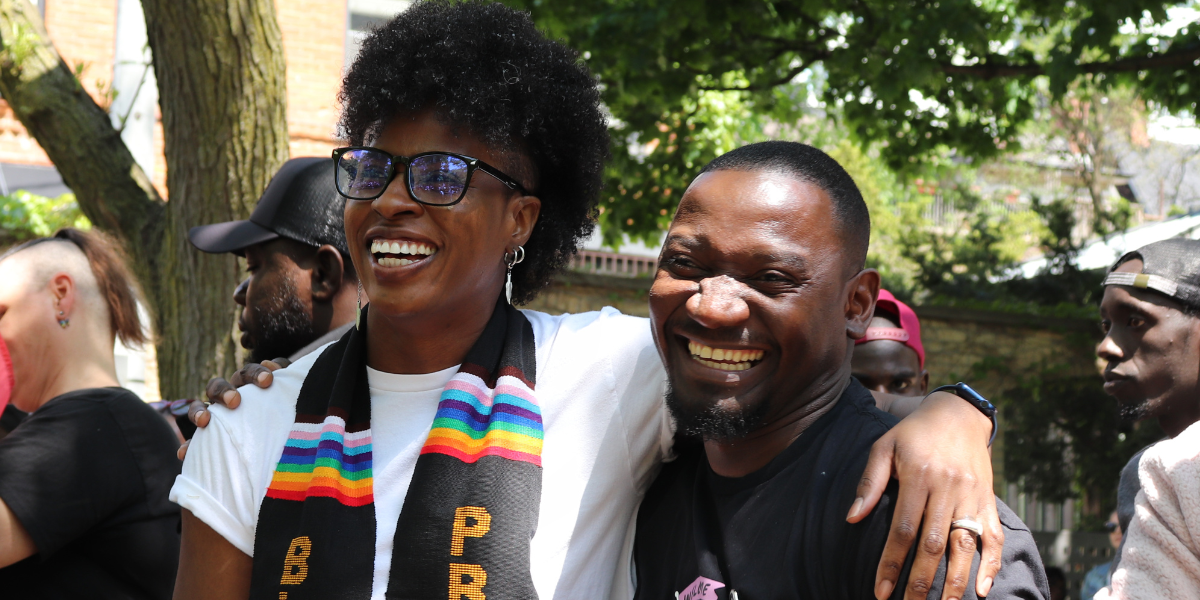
(433, 178)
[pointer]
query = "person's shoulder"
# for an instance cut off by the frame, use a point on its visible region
(675, 480)
(90, 401)
(318, 345)
(1173, 463)
(1175, 450)
(1009, 520)
(605, 335)
(860, 417)
(270, 408)
(607, 322)
(100, 419)
(1022, 574)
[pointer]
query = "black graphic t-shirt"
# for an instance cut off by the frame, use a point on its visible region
(781, 532)
(87, 475)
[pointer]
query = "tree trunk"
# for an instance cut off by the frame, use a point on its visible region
(220, 71)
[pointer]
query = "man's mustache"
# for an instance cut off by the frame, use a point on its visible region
(732, 336)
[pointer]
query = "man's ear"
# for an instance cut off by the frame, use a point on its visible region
(861, 292)
(328, 273)
(525, 211)
(924, 382)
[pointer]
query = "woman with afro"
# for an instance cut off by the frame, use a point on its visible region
(450, 441)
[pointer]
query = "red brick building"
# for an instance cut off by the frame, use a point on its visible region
(105, 39)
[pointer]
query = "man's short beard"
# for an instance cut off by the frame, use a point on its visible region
(1133, 412)
(285, 329)
(713, 422)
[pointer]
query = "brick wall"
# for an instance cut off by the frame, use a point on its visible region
(581, 292)
(85, 31)
(957, 339)
(314, 37)
(314, 42)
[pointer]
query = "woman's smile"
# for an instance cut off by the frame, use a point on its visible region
(400, 252)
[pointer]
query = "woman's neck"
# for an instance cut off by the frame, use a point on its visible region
(68, 375)
(414, 345)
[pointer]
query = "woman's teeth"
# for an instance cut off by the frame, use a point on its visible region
(415, 250)
(725, 360)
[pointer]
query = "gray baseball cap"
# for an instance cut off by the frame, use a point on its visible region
(1169, 267)
(301, 204)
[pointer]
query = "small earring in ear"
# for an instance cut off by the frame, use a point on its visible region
(518, 255)
(358, 311)
(61, 321)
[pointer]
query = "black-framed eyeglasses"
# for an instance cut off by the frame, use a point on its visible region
(434, 178)
(1111, 527)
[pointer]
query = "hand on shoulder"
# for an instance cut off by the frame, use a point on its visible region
(224, 392)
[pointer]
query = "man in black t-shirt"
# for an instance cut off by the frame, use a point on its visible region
(759, 296)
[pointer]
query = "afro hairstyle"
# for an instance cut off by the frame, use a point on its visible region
(486, 67)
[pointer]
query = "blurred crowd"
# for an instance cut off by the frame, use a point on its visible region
(770, 431)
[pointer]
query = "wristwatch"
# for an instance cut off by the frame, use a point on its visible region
(965, 392)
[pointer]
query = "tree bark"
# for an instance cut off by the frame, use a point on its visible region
(220, 69)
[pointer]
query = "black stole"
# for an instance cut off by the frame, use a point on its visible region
(470, 510)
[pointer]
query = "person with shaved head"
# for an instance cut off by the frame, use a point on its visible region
(84, 479)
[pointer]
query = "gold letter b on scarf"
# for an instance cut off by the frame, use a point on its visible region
(471, 508)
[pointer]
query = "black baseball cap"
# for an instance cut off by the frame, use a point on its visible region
(1170, 267)
(301, 204)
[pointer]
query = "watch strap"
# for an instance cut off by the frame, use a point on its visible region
(977, 400)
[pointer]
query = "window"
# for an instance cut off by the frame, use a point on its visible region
(365, 15)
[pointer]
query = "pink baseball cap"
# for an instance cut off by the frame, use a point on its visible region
(909, 332)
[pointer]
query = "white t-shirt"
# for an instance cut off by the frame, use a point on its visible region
(600, 386)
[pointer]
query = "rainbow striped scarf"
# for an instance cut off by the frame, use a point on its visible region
(471, 508)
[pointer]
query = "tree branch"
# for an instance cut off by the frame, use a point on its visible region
(990, 70)
(791, 74)
(78, 136)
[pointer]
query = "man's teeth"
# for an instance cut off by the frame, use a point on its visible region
(409, 248)
(387, 261)
(734, 360)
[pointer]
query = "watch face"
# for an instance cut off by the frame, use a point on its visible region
(979, 400)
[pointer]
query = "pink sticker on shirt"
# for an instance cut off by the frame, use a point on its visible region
(702, 588)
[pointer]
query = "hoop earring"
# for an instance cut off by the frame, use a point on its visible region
(358, 310)
(64, 323)
(518, 255)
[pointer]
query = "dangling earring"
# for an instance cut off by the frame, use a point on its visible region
(518, 255)
(358, 311)
(61, 321)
